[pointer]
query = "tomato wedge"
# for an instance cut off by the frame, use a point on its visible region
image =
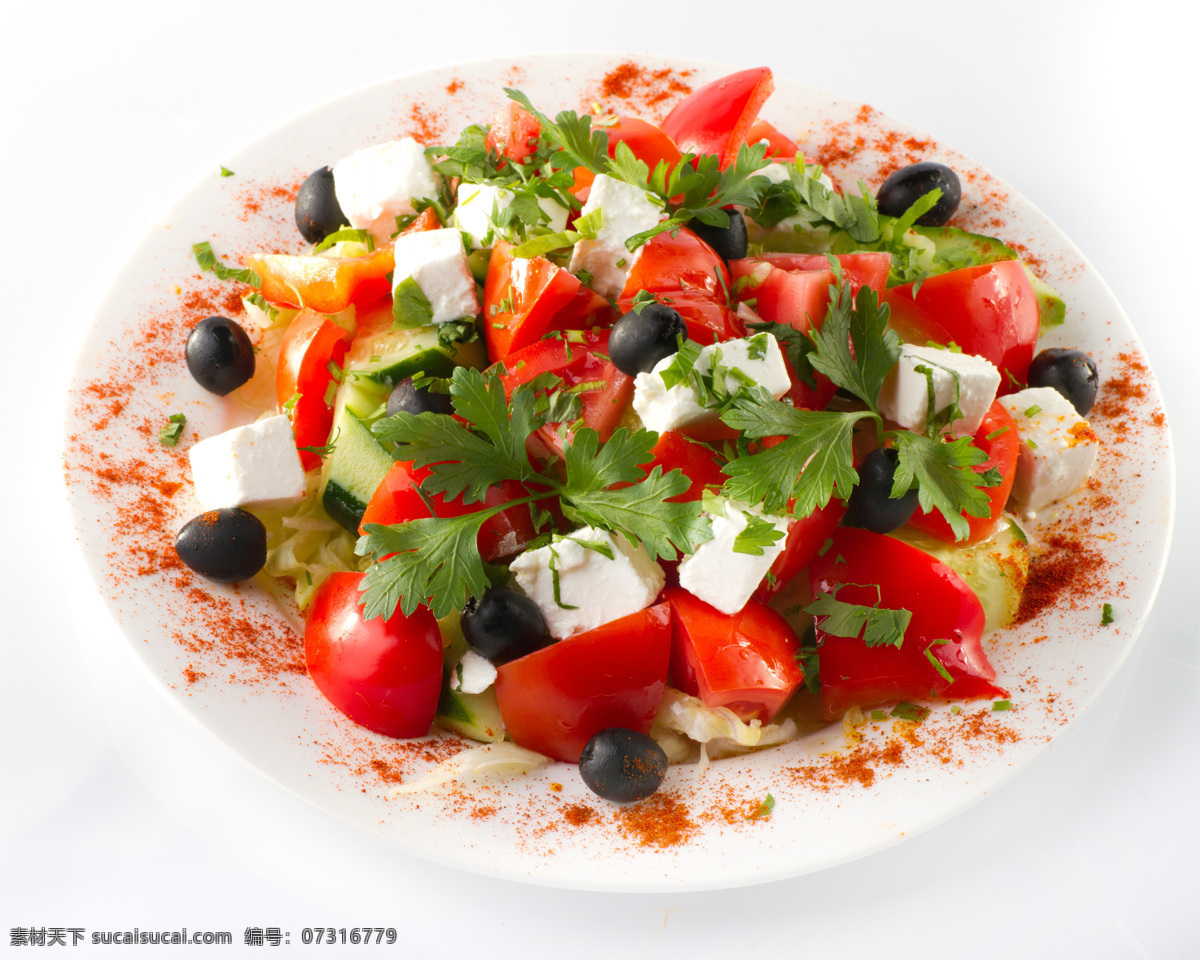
(717, 117)
(997, 437)
(555, 699)
(648, 143)
(805, 538)
(794, 288)
(778, 146)
(989, 310)
(513, 133)
(312, 348)
(745, 662)
(383, 674)
(523, 299)
(580, 358)
(681, 263)
(396, 500)
(941, 655)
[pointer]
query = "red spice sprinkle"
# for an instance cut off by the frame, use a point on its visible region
(662, 821)
(577, 814)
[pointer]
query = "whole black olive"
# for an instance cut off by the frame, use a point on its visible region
(413, 399)
(504, 625)
(640, 340)
(1071, 372)
(622, 765)
(318, 212)
(730, 242)
(219, 354)
(223, 545)
(872, 506)
(909, 184)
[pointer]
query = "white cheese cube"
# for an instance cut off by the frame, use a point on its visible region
(472, 674)
(758, 358)
(599, 589)
(252, 465)
(717, 574)
(377, 184)
(627, 210)
(960, 378)
(1058, 448)
(437, 261)
(476, 203)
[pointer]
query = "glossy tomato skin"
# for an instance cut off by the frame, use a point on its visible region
(514, 133)
(997, 437)
(680, 263)
(383, 674)
(778, 146)
(555, 699)
(875, 570)
(794, 288)
(311, 344)
(324, 284)
(699, 463)
(989, 310)
(716, 118)
(523, 299)
(578, 358)
(396, 500)
(647, 142)
(745, 662)
(805, 538)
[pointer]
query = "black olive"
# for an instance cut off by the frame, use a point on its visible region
(622, 765)
(872, 506)
(318, 213)
(219, 354)
(730, 242)
(504, 625)
(909, 184)
(224, 545)
(1071, 372)
(412, 399)
(640, 340)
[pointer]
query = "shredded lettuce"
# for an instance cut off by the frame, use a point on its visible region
(719, 730)
(490, 760)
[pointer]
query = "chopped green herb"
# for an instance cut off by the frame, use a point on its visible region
(410, 306)
(758, 534)
(764, 809)
(208, 261)
(910, 711)
(226, 172)
(1033, 411)
(169, 435)
(996, 433)
(1106, 615)
(878, 626)
(1001, 705)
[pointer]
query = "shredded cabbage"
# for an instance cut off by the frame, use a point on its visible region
(718, 730)
(305, 544)
(490, 760)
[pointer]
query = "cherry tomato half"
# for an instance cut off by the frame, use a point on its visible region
(383, 674)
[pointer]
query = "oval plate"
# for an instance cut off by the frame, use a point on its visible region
(231, 657)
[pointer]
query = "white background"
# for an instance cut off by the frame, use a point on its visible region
(116, 813)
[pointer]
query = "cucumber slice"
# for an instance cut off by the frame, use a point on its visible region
(995, 568)
(378, 363)
(474, 715)
(356, 468)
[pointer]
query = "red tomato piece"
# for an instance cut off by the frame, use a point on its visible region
(513, 133)
(778, 146)
(997, 437)
(875, 570)
(383, 674)
(805, 538)
(682, 263)
(580, 358)
(989, 310)
(707, 318)
(555, 699)
(312, 345)
(716, 118)
(648, 143)
(794, 288)
(525, 299)
(745, 662)
(324, 284)
(397, 501)
(699, 463)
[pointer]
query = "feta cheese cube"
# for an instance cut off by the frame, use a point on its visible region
(472, 674)
(252, 465)
(1058, 448)
(476, 201)
(377, 184)
(598, 589)
(717, 574)
(437, 261)
(627, 210)
(970, 381)
(758, 358)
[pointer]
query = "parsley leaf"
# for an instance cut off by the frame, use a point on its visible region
(942, 473)
(578, 144)
(410, 306)
(172, 430)
(878, 626)
(208, 261)
(758, 534)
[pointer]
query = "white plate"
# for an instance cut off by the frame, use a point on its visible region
(829, 807)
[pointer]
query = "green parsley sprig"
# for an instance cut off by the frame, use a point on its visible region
(436, 561)
(855, 349)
